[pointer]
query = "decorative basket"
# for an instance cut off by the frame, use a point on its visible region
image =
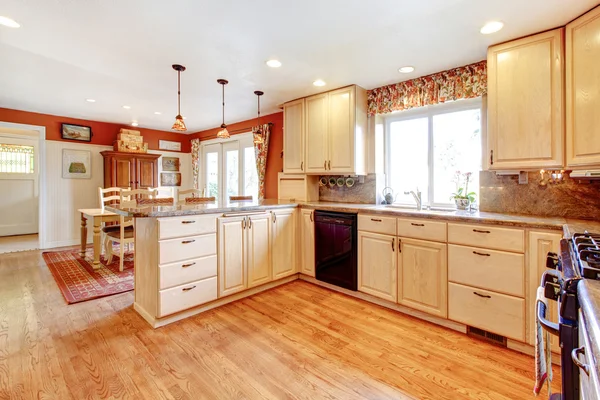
(129, 132)
(125, 137)
(130, 147)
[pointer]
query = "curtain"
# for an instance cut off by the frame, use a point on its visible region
(465, 82)
(195, 160)
(261, 151)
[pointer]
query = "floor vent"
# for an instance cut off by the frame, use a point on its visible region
(487, 336)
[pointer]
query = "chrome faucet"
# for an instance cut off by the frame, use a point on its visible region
(417, 197)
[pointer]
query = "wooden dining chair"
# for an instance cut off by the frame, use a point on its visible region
(199, 200)
(240, 198)
(189, 193)
(163, 192)
(110, 196)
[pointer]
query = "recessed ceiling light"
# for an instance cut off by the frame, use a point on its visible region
(491, 27)
(134, 123)
(319, 82)
(274, 63)
(127, 107)
(90, 100)
(157, 112)
(11, 23)
(406, 70)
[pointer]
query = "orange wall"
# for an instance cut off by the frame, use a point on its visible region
(274, 160)
(103, 133)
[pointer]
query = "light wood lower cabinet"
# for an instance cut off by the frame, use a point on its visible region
(377, 265)
(423, 276)
(284, 243)
(308, 242)
(258, 250)
(232, 255)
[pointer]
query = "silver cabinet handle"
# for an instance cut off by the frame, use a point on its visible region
(274, 217)
(188, 222)
(249, 223)
(482, 254)
(244, 223)
(188, 265)
(186, 289)
(482, 295)
(188, 241)
(575, 356)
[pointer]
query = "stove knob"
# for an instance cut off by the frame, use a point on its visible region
(552, 260)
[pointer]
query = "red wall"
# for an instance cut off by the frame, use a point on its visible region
(104, 133)
(274, 160)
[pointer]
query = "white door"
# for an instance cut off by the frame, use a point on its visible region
(19, 176)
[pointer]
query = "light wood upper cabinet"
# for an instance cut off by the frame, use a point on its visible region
(540, 244)
(423, 276)
(232, 255)
(377, 265)
(308, 242)
(284, 243)
(583, 91)
(259, 262)
(293, 137)
(317, 108)
(341, 130)
(525, 102)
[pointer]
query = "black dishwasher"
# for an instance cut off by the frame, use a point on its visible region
(336, 248)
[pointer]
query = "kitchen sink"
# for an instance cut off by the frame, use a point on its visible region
(409, 209)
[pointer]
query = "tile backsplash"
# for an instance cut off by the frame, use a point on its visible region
(568, 199)
(364, 192)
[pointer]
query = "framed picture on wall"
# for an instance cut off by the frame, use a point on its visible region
(170, 179)
(168, 145)
(170, 164)
(76, 164)
(76, 132)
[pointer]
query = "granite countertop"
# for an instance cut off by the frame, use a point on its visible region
(580, 226)
(588, 293)
(195, 209)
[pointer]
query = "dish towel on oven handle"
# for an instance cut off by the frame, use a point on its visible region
(543, 351)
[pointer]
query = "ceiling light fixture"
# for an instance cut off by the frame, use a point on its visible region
(11, 23)
(406, 70)
(491, 27)
(134, 123)
(319, 82)
(223, 133)
(157, 112)
(258, 135)
(127, 107)
(90, 100)
(274, 63)
(179, 125)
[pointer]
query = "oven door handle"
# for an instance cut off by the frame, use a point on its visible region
(551, 327)
(552, 272)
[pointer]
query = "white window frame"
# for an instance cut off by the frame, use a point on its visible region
(428, 112)
(243, 140)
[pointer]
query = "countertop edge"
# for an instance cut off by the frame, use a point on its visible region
(590, 310)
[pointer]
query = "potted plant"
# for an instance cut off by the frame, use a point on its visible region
(462, 197)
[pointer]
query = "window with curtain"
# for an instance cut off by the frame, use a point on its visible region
(427, 147)
(16, 159)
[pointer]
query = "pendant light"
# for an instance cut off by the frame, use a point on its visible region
(258, 135)
(179, 125)
(223, 133)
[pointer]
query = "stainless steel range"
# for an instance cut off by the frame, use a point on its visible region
(579, 259)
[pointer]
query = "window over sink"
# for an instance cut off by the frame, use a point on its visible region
(426, 147)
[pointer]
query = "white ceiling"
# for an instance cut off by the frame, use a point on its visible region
(120, 52)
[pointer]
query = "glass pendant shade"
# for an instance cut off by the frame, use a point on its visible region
(223, 132)
(258, 135)
(179, 125)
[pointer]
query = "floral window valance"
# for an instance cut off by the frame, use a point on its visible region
(465, 82)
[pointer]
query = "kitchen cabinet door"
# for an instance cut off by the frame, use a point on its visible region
(540, 244)
(377, 265)
(259, 262)
(341, 131)
(525, 102)
(232, 255)
(583, 91)
(423, 276)
(308, 242)
(121, 172)
(293, 137)
(317, 135)
(283, 239)
(146, 173)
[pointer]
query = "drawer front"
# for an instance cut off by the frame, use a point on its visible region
(487, 237)
(173, 250)
(187, 296)
(487, 269)
(187, 271)
(377, 224)
(422, 229)
(172, 227)
(497, 313)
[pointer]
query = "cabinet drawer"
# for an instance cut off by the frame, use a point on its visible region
(174, 250)
(422, 229)
(186, 296)
(497, 313)
(487, 237)
(377, 224)
(172, 227)
(187, 271)
(487, 269)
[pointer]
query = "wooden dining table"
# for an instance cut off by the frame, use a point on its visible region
(99, 216)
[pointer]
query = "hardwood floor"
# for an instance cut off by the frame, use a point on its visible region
(296, 341)
(9, 244)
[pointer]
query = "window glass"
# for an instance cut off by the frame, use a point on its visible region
(212, 174)
(16, 159)
(250, 174)
(232, 172)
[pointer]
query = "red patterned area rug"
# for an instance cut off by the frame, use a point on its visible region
(78, 281)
